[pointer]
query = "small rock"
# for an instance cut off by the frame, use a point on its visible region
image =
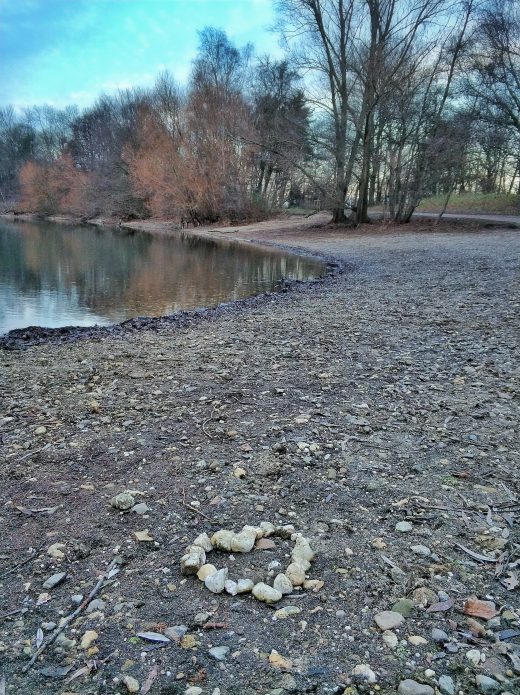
(446, 685)
(417, 640)
(222, 539)
(231, 587)
(363, 672)
(388, 620)
(193, 560)
(390, 639)
(421, 550)
(54, 580)
(267, 594)
(40, 430)
(313, 584)
(216, 582)
(287, 611)
(267, 528)
(398, 576)
(219, 653)
(439, 635)
(302, 552)
(404, 606)
(122, 501)
(56, 551)
(487, 685)
(203, 540)
(200, 619)
(403, 526)
(96, 604)
(77, 599)
(282, 584)
(193, 690)
(206, 571)
(87, 639)
(473, 655)
(176, 632)
(411, 687)
(245, 586)
(422, 596)
(288, 683)
(295, 574)
(131, 684)
(244, 541)
(141, 508)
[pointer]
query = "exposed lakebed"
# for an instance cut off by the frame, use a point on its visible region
(55, 275)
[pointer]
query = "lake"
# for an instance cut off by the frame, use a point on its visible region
(56, 275)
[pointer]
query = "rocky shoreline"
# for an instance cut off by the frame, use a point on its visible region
(374, 412)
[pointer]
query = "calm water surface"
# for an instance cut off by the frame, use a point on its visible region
(59, 275)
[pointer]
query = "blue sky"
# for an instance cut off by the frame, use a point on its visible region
(68, 51)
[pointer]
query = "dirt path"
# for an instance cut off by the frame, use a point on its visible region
(388, 394)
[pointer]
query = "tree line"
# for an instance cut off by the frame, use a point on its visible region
(377, 102)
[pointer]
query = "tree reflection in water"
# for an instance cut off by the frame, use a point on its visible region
(56, 275)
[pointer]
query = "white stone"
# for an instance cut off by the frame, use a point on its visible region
(203, 540)
(302, 552)
(222, 539)
(474, 656)
(267, 528)
(387, 620)
(244, 586)
(363, 672)
(282, 584)
(244, 541)
(287, 611)
(193, 560)
(216, 582)
(267, 594)
(390, 639)
(206, 571)
(231, 587)
(295, 574)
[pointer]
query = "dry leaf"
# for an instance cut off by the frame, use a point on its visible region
(143, 535)
(279, 661)
(479, 609)
(440, 607)
(39, 638)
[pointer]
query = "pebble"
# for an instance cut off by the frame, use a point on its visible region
(54, 580)
(87, 639)
(439, 635)
(216, 582)
(390, 639)
(56, 551)
(131, 684)
(244, 586)
(282, 584)
(244, 541)
(222, 539)
(411, 687)
(417, 640)
(404, 606)
(176, 632)
(473, 655)
(421, 550)
(388, 620)
(200, 619)
(122, 501)
(403, 526)
(422, 596)
(398, 576)
(76, 599)
(203, 540)
(96, 604)
(267, 594)
(486, 684)
(193, 560)
(446, 685)
(206, 571)
(219, 653)
(141, 508)
(231, 587)
(363, 672)
(287, 611)
(193, 690)
(295, 574)
(40, 430)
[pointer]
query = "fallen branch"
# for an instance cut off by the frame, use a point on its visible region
(110, 572)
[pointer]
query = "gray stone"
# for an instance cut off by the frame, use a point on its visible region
(388, 620)
(439, 635)
(176, 632)
(140, 508)
(486, 684)
(403, 526)
(421, 550)
(411, 687)
(54, 580)
(446, 685)
(219, 653)
(96, 605)
(404, 606)
(123, 501)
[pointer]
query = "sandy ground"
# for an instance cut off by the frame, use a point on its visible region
(387, 393)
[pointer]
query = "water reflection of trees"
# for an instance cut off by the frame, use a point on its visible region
(117, 274)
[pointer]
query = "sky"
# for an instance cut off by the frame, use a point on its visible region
(63, 52)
